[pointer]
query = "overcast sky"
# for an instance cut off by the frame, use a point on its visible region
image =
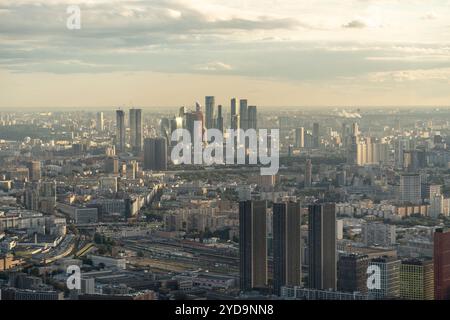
(273, 52)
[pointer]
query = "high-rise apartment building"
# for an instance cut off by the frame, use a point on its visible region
(252, 244)
(352, 273)
(410, 188)
(389, 281)
(441, 258)
(234, 119)
(417, 279)
(34, 170)
(209, 112)
(136, 130)
(219, 120)
(286, 245)
(243, 114)
(300, 137)
(252, 118)
(100, 123)
(120, 131)
(155, 154)
(322, 246)
(378, 234)
(316, 136)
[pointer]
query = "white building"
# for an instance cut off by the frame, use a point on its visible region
(378, 233)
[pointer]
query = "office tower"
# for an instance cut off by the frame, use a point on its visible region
(300, 137)
(34, 170)
(402, 145)
(389, 281)
(31, 196)
(417, 280)
(136, 129)
(286, 245)
(164, 128)
(47, 196)
(112, 165)
(308, 173)
(100, 122)
(436, 206)
(120, 131)
(441, 264)
(209, 112)
(252, 118)
(234, 124)
(410, 188)
(155, 154)
(378, 234)
(352, 273)
(132, 170)
(352, 150)
(219, 120)
(316, 136)
(243, 114)
(355, 129)
(252, 245)
(322, 246)
(191, 118)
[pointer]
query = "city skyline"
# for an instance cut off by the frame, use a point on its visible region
(237, 150)
(332, 53)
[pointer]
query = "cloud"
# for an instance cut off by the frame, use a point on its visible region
(355, 24)
(439, 74)
(213, 66)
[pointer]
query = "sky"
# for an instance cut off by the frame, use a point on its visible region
(157, 53)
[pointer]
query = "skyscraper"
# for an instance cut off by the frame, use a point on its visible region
(243, 114)
(308, 173)
(234, 124)
(155, 154)
(352, 273)
(47, 196)
(417, 279)
(136, 129)
(410, 188)
(120, 131)
(252, 244)
(219, 120)
(316, 136)
(389, 283)
(286, 245)
(300, 137)
(441, 264)
(31, 196)
(209, 115)
(191, 118)
(100, 122)
(322, 246)
(34, 170)
(252, 118)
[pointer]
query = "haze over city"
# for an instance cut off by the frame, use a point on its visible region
(246, 155)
